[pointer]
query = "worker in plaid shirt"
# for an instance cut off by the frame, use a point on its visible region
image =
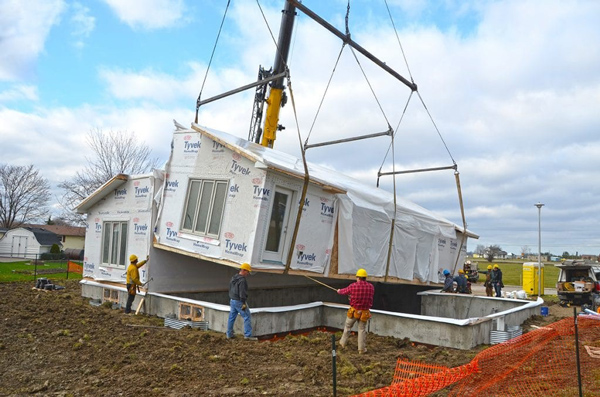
(361, 299)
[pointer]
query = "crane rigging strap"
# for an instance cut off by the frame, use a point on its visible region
(210, 61)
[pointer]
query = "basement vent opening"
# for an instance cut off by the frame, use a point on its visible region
(191, 312)
(110, 295)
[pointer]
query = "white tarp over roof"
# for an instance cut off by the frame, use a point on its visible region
(365, 218)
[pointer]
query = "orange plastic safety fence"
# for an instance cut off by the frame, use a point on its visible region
(419, 379)
(539, 363)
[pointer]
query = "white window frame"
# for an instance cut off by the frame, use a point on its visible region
(114, 245)
(202, 201)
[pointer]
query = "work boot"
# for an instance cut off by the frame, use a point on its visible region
(253, 338)
(362, 351)
(342, 346)
(231, 337)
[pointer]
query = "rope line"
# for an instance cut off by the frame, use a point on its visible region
(436, 127)
(271, 33)
(325, 93)
(370, 87)
(211, 58)
(399, 43)
(395, 132)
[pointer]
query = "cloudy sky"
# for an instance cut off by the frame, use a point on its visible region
(512, 86)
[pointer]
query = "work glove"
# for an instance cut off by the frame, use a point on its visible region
(244, 306)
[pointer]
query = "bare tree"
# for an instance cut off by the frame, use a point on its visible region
(116, 152)
(491, 252)
(525, 251)
(480, 250)
(24, 195)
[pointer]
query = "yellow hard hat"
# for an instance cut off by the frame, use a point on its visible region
(133, 258)
(461, 271)
(489, 267)
(361, 273)
(246, 266)
(495, 266)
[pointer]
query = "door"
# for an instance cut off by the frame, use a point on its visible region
(19, 246)
(278, 225)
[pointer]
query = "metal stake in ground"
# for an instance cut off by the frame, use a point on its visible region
(144, 298)
(333, 359)
(577, 351)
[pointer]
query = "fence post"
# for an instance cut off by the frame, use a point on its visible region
(577, 351)
(35, 262)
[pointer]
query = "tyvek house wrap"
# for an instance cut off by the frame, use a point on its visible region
(423, 242)
(245, 221)
(131, 202)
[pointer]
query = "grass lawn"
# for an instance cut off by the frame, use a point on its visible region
(512, 273)
(25, 270)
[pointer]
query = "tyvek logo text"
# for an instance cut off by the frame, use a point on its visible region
(234, 248)
(190, 146)
(120, 194)
(261, 193)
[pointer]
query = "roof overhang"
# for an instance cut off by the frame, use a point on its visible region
(101, 192)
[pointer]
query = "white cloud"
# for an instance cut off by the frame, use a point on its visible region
(24, 27)
(83, 24)
(149, 14)
(18, 93)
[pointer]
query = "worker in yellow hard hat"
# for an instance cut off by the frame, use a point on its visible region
(361, 299)
(462, 286)
(238, 295)
(489, 290)
(496, 280)
(133, 280)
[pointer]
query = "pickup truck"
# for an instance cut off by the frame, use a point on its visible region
(578, 281)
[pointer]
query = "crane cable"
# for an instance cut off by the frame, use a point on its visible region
(324, 94)
(456, 173)
(210, 61)
(333, 72)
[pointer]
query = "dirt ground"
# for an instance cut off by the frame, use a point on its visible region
(56, 343)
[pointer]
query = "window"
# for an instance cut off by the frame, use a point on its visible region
(204, 207)
(114, 243)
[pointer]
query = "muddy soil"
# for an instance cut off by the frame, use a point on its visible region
(55, 343)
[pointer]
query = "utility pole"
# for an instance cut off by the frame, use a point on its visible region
(539, 206)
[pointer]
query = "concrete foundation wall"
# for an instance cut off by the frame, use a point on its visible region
(429, 328)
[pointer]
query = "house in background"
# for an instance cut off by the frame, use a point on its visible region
(71, 237)
(28, 242)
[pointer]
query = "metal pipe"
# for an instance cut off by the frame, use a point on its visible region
(577, 351)
(388, 133)
(243, 88)
(450, 167)
(346, 39)
(539, 206)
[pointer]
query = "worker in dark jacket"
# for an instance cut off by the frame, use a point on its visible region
(133, 280)
(497, 280)
(238, 294)
(461, 282)
(448, 282)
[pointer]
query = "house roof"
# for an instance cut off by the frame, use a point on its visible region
(101, 192)
(44, 237)
(366, 195)
(63, 230)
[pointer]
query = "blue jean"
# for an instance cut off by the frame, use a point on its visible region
(498, 289)
(235, 307)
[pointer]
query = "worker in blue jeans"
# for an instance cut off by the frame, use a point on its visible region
(238, 294)
(496, 280)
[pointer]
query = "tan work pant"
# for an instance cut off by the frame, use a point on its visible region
(362, 333)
